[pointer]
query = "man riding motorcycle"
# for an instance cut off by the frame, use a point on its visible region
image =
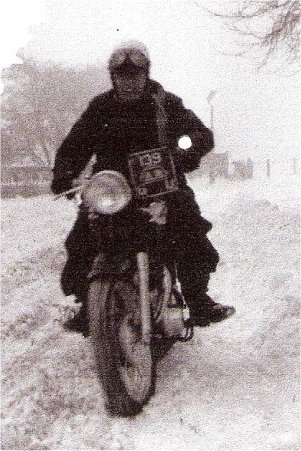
(138, 114)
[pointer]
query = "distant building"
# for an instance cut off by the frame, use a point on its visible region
(241, 169)
(215, 165)
(25, 181)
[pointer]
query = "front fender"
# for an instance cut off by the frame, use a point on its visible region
(106, 266)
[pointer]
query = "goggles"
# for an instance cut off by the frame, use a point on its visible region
(131, 56)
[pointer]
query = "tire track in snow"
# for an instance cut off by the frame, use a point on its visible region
(50, 378)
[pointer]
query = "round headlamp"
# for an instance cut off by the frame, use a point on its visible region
(107, 192)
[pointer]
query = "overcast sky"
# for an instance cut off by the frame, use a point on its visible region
(255, 114)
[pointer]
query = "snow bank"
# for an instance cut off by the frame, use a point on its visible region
(33, 224)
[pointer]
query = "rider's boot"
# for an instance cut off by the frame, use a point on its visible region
(206, 311)
(203, 310)
(79, 323)
(73, 281)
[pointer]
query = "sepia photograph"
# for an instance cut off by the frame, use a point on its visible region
(150, 224)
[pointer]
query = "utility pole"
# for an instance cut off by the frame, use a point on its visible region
(268, 167)
(213, 169)
(209, 100)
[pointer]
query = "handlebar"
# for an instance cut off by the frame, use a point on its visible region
(177, 152)
(70, 191)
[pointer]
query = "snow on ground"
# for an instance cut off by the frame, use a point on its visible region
(33, 224)
(235, 386)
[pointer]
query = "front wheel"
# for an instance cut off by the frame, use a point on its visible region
(124, 362)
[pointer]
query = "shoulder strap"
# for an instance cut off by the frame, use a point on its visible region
(161, 117)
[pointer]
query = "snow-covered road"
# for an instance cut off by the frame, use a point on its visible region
(235, 386)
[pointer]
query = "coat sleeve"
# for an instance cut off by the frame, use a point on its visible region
(185, 122)
(75, 151)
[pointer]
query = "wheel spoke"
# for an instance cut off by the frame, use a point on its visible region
(136, 373)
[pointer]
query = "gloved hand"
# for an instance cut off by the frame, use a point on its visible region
(75, 183)
(186, 160)
(61, 184)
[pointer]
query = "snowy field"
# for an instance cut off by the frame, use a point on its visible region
(235, 386)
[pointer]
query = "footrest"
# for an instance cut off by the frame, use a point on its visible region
(188, 331)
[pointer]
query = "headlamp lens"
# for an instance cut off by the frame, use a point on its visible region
(107, 192)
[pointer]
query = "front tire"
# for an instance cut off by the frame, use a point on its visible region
(124, 363)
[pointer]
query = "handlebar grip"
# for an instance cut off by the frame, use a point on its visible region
(65, 193)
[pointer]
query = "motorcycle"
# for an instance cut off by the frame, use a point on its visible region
(136, 311)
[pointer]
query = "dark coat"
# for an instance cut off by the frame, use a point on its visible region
(111, 130)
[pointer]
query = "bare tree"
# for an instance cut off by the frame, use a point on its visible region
(271, 26)
(39, 105)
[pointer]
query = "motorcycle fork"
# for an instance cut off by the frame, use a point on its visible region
(144, 296)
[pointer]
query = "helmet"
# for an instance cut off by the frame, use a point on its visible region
(129, 57)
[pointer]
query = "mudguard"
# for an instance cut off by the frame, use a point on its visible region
(108, 265)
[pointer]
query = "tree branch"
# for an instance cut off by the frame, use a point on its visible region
(271, 25)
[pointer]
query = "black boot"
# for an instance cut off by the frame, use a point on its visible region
(203, 309)
(79, 323)
(206, 311)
